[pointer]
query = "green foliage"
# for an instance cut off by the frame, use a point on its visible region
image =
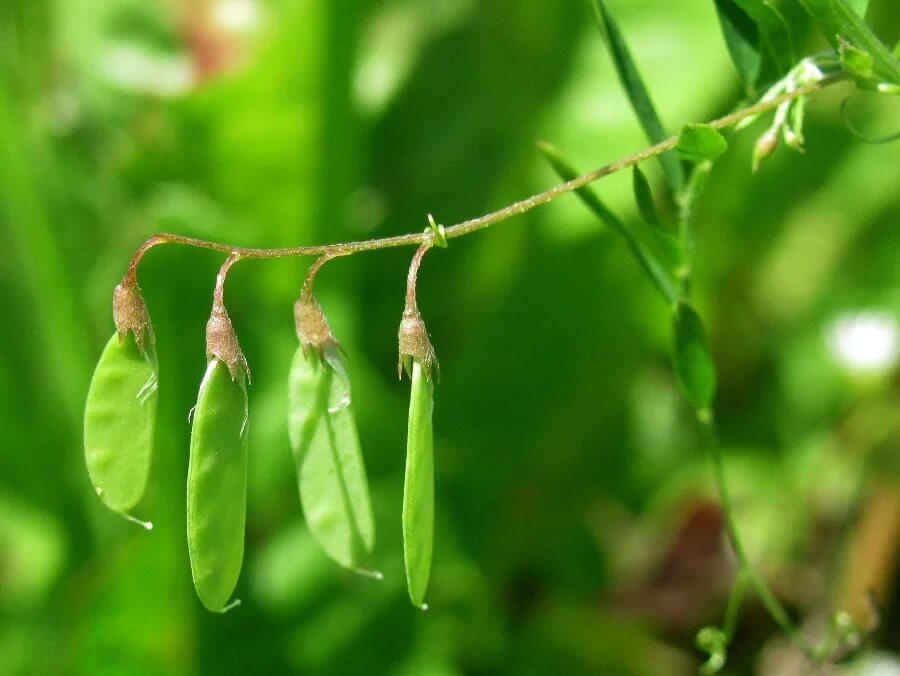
(755, 32)
(331, 475)
(418, 486)
(644, 198)
(561, 433)
(700, 143)
(841, 22)
(217, 485)
(636, 91)
(656, 270)
(669, 250)
(742, 39)
(119, 419)
(692, 359)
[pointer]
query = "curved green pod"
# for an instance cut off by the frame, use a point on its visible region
(418, 487)
(217, 485)
(331, 474)
(119, 419)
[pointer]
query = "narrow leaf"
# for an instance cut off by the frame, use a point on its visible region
(856, 60)
(773, 30)
(654, 269)
(644, 198)
(331, 476)
(418, 487)
(637, 92)
(741, 38)
(666, 242)
(838, 19)
(567, 172)
(691, 357)
(860, 7)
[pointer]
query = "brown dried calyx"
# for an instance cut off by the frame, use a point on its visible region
(312, 327)
(415, 343)
(222, 343)
(130, 313)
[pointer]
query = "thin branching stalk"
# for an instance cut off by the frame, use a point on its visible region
(481, 222)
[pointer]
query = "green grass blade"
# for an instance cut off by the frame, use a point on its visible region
(637, 92)
(773, 30)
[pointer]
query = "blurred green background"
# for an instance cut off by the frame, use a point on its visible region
(577, 529)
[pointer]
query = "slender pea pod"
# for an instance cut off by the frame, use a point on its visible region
(331, 475)
(119, 420)
(692, 359)
(418, 487)
(217, 485)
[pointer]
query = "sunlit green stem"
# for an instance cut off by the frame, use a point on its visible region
(735, 600)
(772, 604)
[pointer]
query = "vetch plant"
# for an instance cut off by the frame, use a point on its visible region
(331, 477)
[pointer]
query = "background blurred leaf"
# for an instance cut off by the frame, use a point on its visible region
(306, 122)
(742, 38)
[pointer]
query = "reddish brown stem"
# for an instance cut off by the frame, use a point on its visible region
(414, 274)
(218, 294)
(474, 224)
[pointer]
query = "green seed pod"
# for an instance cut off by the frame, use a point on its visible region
(217, 485)
(418, 486)
(331, 475)
(119, 418)
(692, 359)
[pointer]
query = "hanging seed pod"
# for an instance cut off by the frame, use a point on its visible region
(418, 486)
(331, 474)
(120, 412)
(217, 472)
(119, 420)
(418, 359)
(217, 485)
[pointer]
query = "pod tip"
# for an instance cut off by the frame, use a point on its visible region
(146, 525)
(231, 606)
